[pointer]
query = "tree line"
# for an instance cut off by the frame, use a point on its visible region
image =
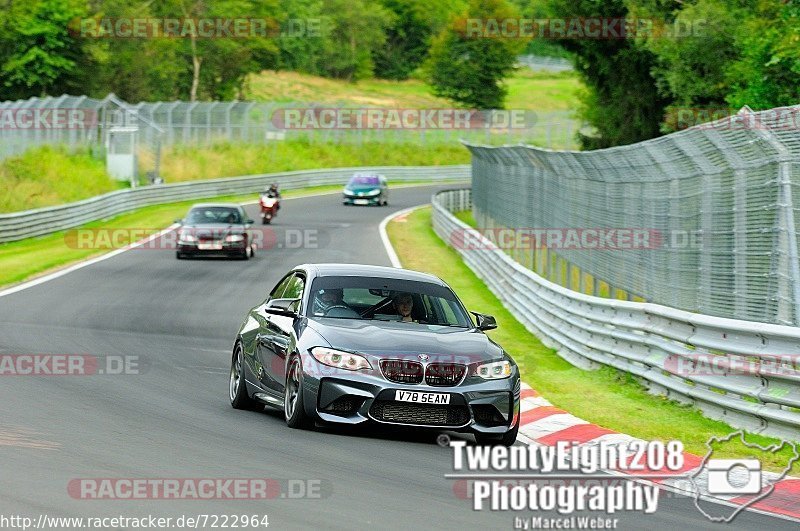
(729, 53)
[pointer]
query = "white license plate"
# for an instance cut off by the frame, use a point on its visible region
(209, 246)
(422, 398)
(361, 201)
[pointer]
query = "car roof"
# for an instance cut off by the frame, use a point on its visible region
(362, 270)
(208, 205)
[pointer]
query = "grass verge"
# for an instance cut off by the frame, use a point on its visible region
(604, 397)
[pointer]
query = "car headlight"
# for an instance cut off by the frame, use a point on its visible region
(339, 359)
(372, 193)
(494, 371)
(187, 236)
(234, 238)
(348, 191)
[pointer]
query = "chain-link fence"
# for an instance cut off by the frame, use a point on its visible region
(204, 123)
(703, 220)
(76, 122)
(84, 122)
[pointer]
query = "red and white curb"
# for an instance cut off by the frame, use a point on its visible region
(541, 423)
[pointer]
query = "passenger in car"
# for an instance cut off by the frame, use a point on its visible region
(403, 304)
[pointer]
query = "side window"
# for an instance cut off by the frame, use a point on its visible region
(278, 291)
(294, 289)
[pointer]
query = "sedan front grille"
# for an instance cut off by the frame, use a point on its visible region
(420, 414)
(407, 372)
(442, 374)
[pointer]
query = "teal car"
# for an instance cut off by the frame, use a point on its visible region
(366, 189)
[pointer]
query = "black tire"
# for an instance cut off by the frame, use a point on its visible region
(293, 407)
(507, 439)
(179, 255)
(237, 387)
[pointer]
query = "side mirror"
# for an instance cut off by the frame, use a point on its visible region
(249, 221)
(484, 322)
(285, 307)
(179, 221)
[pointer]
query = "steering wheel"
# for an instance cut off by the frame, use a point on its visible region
(340, 307)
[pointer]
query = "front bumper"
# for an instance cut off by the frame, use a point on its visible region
(488, 406)
(217, 248)
(361, 200)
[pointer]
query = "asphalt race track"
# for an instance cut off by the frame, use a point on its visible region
(174, 420)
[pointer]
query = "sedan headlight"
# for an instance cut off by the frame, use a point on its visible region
(234, 238)
(348, 191)
(494, 371)
(372, 193)
(187, 236)
(339, 359)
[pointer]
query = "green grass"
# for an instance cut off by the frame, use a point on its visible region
(190, 163)
(49, 176)
(536, 91)
(604, 397)
(543, 91)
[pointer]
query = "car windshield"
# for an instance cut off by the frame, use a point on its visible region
(386, 299)
(364, 180)
(214, 215)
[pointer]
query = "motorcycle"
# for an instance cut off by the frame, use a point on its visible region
(270, 204)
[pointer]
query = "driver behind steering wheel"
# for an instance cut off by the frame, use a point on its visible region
(325, 299)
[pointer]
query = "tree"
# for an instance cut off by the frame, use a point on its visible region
(351, 30)
(219, 65)
(469, 68)
(40, 56)
(622, 101)
(409, 37)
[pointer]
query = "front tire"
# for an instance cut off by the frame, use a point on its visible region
(293, 406)
(237, 387)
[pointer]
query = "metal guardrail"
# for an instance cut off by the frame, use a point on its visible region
(742, 372)
(20, 225)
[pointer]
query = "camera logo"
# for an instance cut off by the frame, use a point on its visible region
(730, 477)
(737, 484)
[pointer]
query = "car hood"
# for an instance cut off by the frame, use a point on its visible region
(216, 228)
(407, 340)
(363, 187)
